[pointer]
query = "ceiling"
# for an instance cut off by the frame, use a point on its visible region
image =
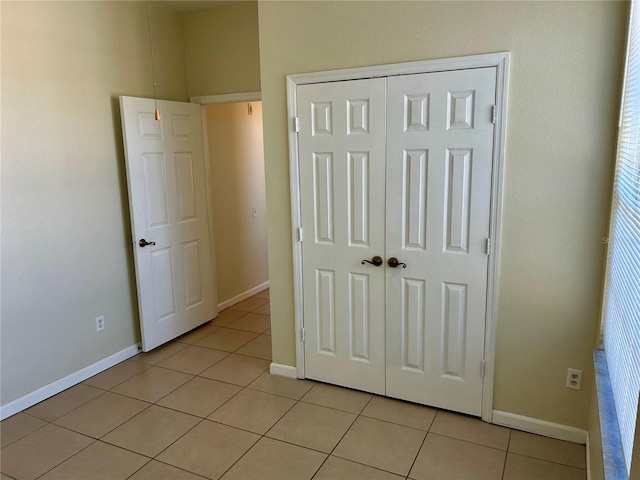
(187, 6)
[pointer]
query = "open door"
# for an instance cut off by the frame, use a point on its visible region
(169, 217)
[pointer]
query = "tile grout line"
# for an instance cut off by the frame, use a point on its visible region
(202, 419)
(506, 455)
(426, 434)
(343, 435)
(260, 435)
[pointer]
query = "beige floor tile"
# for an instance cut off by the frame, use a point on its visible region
(198, 333)
(18, 426)
(446, 457)
(252, 410)
(263, 310)
(252, 322)
(152, 384)
(249, 305)
(155, 470)
(199, 396)
(398, 411)
(64, 402)
(265, 294)
(519, 467)
(237, 369)
(158, 354)
(40, 451)
(470, 429)
(5, 477)
(273, 460)
(152, 431)
(98, 461)
(209, 449)
(312, 426)
(116, 374)
(544, 448)
(227, 316)
(193, 359)
(226, 339)
(381, 444)
(268, 332)
(260, 347)
(345, 399)
(340, 469)
(102, 414)
(278, 385)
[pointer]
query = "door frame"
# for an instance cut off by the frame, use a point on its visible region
(203, 101)
(498, 60)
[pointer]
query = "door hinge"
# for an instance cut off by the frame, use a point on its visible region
(488, 246)
(300, 234)
(303, 337)
(493, 114)
(483, 367)
(296, 124)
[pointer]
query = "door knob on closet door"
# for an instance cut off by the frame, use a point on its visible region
(144, 243)
(393, 263)
(376, 261)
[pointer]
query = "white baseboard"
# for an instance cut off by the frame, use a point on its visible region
(30, 399)
(540, 427)
(242, 296)
(282, 370)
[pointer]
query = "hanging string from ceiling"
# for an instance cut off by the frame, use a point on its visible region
(153, 69)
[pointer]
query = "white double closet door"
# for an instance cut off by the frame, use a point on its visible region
(397, 167)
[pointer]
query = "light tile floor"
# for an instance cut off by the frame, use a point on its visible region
(205, 406)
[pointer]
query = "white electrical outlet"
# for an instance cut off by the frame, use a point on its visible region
(254, 211)
(99, 323)
(574, 378)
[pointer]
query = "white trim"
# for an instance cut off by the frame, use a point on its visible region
(70, 380)
(296, 222)
(243, 296)
(495, 233)
(209, 193)
(588, 459)
(540, 427)
(228, 98)
(282, 370)
(394, 69)
(498, 60)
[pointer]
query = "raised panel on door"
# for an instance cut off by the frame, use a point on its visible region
(168, 201)
(342, 171)
(439, 160)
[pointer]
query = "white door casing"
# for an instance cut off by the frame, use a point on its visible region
(460, 175)
(439, 162)
(342, 149)
(168, 204)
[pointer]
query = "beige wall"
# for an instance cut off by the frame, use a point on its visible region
(222, 50)
(66, 244)
(564, 93)
(237, 178)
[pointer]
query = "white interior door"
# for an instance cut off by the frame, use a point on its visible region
(439, 162)
(342, 149)
(399, 168)
(169, 217)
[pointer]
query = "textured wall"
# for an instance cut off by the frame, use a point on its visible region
(567, 61)
(222, 49)
(66, 242)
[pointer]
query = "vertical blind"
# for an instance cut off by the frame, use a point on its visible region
(622, 293)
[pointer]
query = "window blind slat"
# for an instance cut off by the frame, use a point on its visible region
(622, 292)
